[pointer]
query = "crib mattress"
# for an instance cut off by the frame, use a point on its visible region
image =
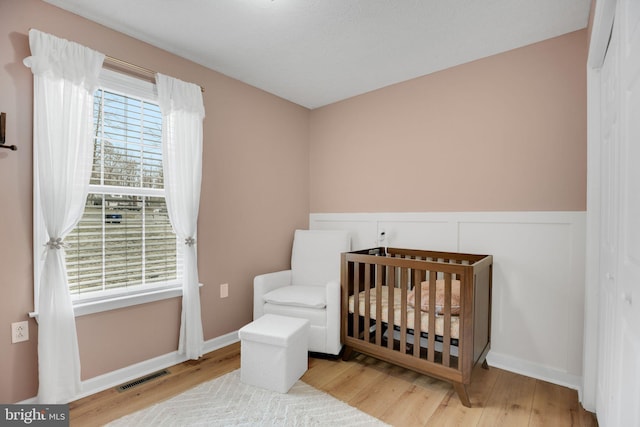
(397, 301)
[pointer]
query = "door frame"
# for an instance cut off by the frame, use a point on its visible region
(602, 24)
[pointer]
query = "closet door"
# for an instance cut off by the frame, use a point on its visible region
(618, 390)
(628, 272)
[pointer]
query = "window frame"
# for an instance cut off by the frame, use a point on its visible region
(119, 298)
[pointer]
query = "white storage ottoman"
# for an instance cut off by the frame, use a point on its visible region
(273, 351)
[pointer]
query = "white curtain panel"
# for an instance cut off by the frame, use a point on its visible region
(182, 116)
(65, 75)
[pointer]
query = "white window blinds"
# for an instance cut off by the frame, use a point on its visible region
(124, 241)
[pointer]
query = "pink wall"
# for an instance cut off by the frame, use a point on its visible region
(254, 194)
(505, 133)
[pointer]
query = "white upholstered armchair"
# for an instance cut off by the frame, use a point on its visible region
(310, 290)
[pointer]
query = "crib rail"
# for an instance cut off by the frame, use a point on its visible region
(433, 336)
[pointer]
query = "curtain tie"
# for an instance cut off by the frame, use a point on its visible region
(190, 241)
(55, 243)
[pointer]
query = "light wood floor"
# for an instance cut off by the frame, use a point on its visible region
(396, 396)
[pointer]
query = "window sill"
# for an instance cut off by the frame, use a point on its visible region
(83, 308)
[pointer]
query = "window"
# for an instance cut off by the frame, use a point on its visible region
(124, 243)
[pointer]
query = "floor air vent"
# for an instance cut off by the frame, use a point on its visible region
(142, 380)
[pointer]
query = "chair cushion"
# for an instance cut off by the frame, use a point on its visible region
(317, 316)
(298, 296)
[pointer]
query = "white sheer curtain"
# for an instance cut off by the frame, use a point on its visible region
(182, 115)
(65, 74)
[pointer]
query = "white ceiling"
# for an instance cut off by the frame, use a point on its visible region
(316, 52)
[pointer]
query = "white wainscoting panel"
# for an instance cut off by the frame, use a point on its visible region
(538, 277)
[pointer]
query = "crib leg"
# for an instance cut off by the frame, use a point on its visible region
(485, 365)
(461, 389)
(346, 353)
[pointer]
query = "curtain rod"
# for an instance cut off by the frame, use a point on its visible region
(112, 62)
(128, 66)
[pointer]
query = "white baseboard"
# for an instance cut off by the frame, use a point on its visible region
(123, 375)
(534, 370)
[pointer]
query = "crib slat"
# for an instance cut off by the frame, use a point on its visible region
(391, 284)
(356, 300)
(417, 313)
(404, 281)
(432, 316)
(379, 275)
(446, 338)
(367, 302)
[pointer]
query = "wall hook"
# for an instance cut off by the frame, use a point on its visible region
(3, 127)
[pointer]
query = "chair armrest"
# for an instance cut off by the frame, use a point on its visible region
(265, 283)
(333, 317)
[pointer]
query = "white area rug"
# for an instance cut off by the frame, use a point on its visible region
(225, 401)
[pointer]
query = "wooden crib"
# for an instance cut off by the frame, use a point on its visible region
(453, 323)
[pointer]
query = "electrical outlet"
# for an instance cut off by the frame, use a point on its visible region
(19, 331)
(224, 290)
